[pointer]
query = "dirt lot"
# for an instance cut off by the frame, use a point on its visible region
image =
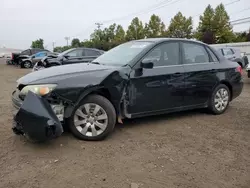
(188, 149)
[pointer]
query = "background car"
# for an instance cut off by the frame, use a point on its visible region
(71, 56)
(2, 55)
(17, 57)
(235, 55)
(32, 60)
(135, 79)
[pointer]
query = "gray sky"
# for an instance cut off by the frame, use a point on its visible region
(22, 21)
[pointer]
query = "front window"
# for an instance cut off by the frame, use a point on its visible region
(122, 54)
(66, 52)
(164, 55)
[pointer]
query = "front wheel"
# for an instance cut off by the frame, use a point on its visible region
(26, 64)
(93, 119)
(220, 99)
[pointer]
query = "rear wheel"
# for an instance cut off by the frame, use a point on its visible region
(240, 64)
(220, 99)
(93, 119)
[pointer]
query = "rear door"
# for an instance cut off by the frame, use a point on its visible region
(200, 73)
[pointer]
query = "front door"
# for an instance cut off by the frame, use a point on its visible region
(200, 65)
(160, 88)
(75, 56)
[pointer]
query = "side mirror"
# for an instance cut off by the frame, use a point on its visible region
(147, 64)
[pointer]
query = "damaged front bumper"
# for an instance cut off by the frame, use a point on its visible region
(35, 119)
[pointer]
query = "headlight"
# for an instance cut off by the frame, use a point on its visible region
(38, 89)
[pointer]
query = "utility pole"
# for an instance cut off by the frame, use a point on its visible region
(136, 32)
(99, 25)
(67, 39)
(53, 46)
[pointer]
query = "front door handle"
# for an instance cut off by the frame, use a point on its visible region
(177, 74)
(213, 70)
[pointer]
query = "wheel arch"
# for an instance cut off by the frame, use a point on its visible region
(229, 87)
(93, 91)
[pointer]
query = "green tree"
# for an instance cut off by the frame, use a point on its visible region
(37, 44)
(135, 30)
(180, 27)
(119, 34)
(60, 49)
(223, 29)
(87, 44)
(155, 27)
(75, 43)
(206, 28)
(240, 37)
(208, 37)
(248, 36)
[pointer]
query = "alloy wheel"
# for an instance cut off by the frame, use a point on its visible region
(26, 64)
(221, 99)
(90, 119)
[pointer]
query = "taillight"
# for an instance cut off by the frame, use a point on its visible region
(12, 56)
(239, 69)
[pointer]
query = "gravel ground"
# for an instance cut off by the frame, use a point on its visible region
(187, 149)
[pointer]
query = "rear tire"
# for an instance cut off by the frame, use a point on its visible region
(240, 65)
(248, 74)
(89, 123)
(219, 101)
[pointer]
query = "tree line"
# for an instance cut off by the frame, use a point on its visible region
(214, 28)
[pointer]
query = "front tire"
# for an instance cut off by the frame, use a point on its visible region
(26, 64)
(219, 100)
(93, 119)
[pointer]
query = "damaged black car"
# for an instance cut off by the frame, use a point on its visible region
(135, 79)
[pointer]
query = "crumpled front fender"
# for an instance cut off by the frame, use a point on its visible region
(36, 119)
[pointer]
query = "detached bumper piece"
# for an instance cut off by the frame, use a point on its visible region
(36, 120)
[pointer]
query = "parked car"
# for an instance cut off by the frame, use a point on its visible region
(2, 55)
(32, 60)
(71, 56)
(234, 54)
(16, 58)
(122, 83)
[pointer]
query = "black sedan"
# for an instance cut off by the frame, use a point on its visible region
(71, 56)
(138, 78)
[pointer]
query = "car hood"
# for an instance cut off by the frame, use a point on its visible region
(59, 73)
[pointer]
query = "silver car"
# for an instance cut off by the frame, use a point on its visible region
(233, 54)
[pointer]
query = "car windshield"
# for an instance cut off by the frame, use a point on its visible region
(122, 54)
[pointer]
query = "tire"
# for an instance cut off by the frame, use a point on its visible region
(240, 65)
(248, 74)
(87, 128)
(212, 103)
(26, 64)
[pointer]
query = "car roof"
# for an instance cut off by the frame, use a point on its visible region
(159, 40)
(88, 48)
